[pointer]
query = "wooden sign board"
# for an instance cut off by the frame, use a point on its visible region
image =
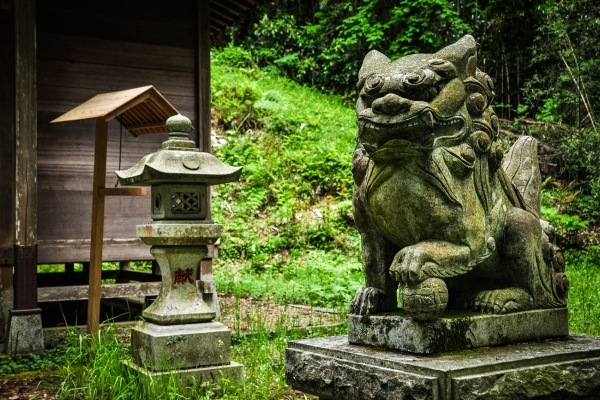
(141, 111)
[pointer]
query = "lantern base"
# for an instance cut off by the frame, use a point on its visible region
(193, 377)
(161, 348)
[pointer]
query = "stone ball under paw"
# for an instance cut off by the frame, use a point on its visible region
(425, 300)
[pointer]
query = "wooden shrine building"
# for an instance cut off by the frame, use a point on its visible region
(55, 55)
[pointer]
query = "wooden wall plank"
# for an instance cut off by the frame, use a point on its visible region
(119, 26)
(68, 293)
(86, 48)
(7, 131)
(64, 214)
(118, 53)
(7, 161)
(175, 11)
(58, 252)
(108, 78)
(26, 124)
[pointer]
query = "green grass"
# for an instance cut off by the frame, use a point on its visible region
(99, 373)
(319, 278)
(584, 296)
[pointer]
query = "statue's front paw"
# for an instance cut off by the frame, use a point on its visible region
(367, 301)
(410, 264)
(502, 301)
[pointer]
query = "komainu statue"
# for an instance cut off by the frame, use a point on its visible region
(441, 210)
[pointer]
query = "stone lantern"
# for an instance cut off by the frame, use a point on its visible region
(178, 334)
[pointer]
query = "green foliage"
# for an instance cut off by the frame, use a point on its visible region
(564, 222)
(289, 229)
(234, 57)
(566, 60)
(550, 111)
(324, 44)
(560, 208)
(581, 152)
(51, 359)
(233, 101)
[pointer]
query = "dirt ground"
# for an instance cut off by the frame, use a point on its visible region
(241, 315)
(34, 387)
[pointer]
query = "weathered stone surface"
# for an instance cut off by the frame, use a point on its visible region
(169, 347)
(176, 201)
(566, 380)
(232, 372)
(24, 334)
(178, 300)
(331, 378)
(456, 330)
(435, 199)
(554, 369)
(179, 233)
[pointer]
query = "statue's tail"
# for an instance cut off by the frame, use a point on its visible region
(523, 171)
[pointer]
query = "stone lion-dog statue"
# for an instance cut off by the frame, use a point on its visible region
(441, 210)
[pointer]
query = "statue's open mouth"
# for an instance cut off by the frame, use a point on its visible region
(423, 130)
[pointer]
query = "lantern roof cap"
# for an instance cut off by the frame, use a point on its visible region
(179, 161)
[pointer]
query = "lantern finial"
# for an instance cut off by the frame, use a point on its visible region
(179, 128)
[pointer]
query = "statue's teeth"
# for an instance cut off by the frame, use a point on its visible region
(427, 117)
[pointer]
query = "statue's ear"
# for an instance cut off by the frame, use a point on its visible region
(463, 54)
(372, 62)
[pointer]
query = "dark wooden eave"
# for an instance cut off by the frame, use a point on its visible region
(224, 12)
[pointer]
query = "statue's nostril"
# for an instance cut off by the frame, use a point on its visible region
(390, 104)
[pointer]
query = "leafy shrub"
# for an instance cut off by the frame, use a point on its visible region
(234, 57)
(563, 222)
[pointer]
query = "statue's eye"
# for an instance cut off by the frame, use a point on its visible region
(373, 84)
(413, 79)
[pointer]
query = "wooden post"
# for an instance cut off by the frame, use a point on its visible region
(93, 318)
(7, 160)
(204, 116)
(25, 308)
(25, 280)
(204, 127)
(25, 239)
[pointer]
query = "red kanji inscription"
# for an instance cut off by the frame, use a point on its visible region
(182, 276)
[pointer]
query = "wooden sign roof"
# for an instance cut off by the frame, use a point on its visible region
(223, 12)
(142, 110)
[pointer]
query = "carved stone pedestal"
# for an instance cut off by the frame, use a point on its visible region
(331, 368)
(456, 330)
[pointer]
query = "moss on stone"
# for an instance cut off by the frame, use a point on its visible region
(454, 336)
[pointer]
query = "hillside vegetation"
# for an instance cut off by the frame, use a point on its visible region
(288, 222)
